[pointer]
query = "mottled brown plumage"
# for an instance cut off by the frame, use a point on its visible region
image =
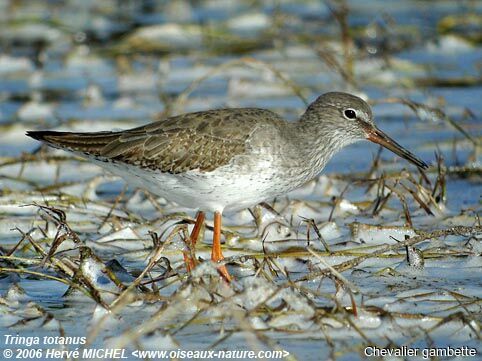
(203, 140)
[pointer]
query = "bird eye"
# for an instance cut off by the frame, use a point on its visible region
(350, 113)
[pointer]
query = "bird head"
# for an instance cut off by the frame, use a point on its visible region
(350, 118)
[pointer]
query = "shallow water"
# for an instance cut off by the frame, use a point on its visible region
(80, 65)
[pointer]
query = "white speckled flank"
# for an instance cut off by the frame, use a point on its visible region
(227, 188)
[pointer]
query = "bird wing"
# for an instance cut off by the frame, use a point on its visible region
(202, 141)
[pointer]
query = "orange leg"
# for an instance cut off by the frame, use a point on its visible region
(216, 254)
(189, 255)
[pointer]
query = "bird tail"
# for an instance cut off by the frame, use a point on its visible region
(87, 143)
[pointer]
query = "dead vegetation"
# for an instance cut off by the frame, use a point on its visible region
(274, 291)
(371, 257)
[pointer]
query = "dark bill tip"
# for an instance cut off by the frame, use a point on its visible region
(377, 136)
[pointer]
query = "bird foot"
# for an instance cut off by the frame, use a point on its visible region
(189, 260)
(223, 272)
(216, 254)
(190, 253)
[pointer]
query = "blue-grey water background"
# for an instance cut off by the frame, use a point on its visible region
(90, 65)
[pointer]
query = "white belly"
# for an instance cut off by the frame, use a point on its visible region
(225, 189)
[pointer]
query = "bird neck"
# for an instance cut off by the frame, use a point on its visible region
(319, 141)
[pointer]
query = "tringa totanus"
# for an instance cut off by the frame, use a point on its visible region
(229, 159)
